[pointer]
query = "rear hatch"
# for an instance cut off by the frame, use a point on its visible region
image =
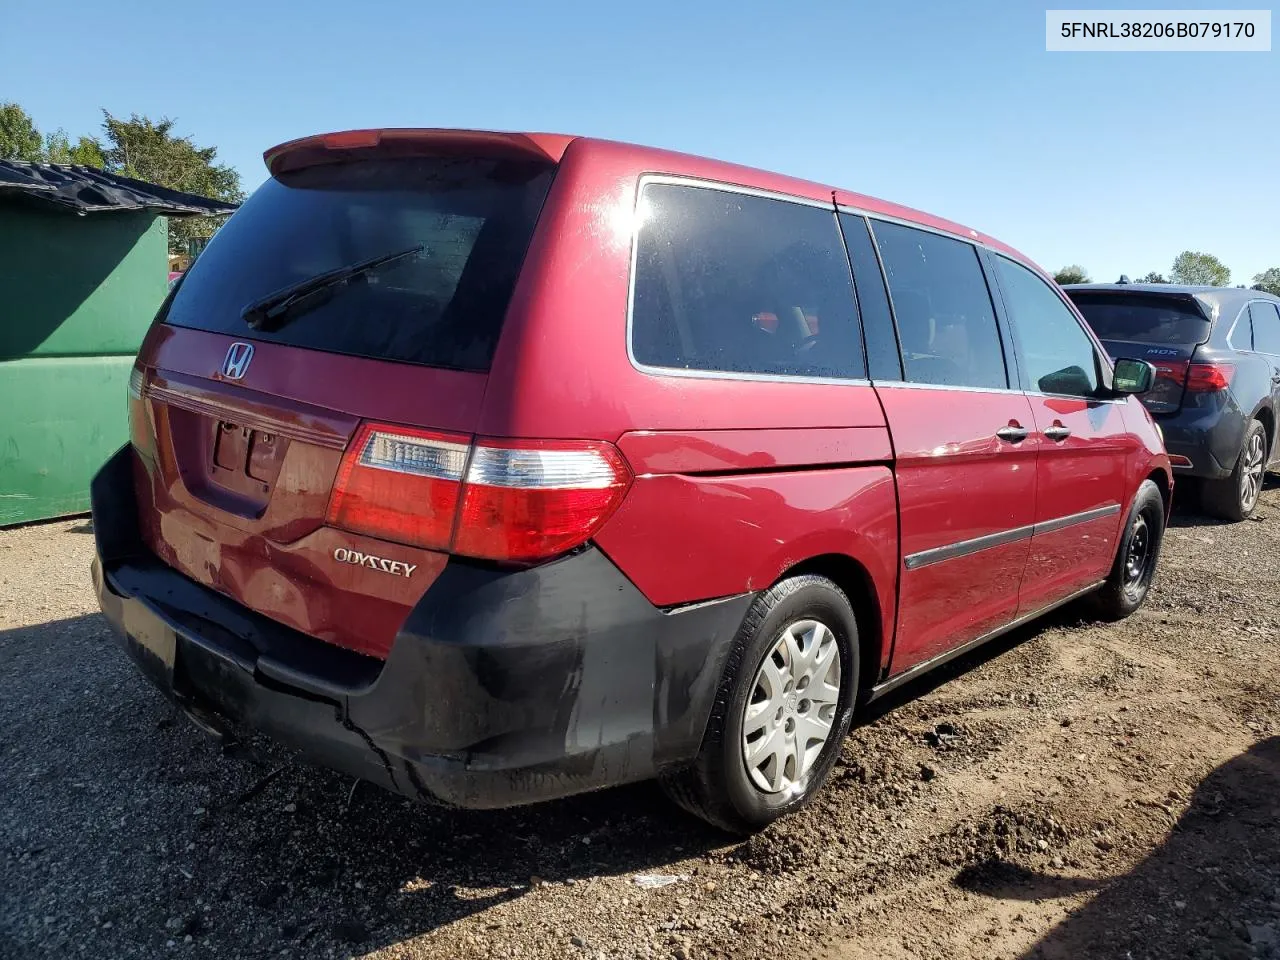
(303, 455)
(1163, 329)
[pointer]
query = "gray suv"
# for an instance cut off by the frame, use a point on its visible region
(1216, 351)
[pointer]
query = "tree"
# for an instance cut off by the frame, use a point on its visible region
(151, 151)
(1153, 277)
(1200, 268)
(19, 138)
(87, 151)
(1071, 274)
(1268, 280)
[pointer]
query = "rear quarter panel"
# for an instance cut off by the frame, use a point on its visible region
(736, 480)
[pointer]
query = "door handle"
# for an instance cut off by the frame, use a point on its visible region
(1057, 433)
(1013, 433)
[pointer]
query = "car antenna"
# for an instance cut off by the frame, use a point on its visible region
(1123, 279)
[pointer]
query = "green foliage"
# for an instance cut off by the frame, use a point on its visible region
(86, 151)
(137, 147)
(1153, 277)
(147, 150)
(19, 138)
(1200, 268)
(1072, 274)
(1268, 280)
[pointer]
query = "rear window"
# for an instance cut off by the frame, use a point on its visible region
(1142, 319)
(441, 307)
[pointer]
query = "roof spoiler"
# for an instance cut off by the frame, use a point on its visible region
(413, 142)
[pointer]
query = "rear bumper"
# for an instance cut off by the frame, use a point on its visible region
(502, 688)
(1209, 438)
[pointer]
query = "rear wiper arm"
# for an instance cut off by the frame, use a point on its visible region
(275, 309)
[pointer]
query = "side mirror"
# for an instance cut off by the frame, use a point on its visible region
(1070, 382)
(1133, 376)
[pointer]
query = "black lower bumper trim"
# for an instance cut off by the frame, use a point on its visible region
(503, 687)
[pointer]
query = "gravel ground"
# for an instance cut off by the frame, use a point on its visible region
(1073, 791)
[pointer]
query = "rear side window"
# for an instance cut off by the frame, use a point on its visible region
(1059, 356)
(742, 284)
(946, 323)
(443, 306)
(1142, 318)
(1241, 336)
(1266, 327)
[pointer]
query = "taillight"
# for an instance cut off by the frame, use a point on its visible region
(400, 484)
(1173, 376)
(141, 430)
(499, 499)
(1175, 371)
(1209, 377)
(524, 500)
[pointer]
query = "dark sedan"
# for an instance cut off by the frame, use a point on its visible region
(1216, 351)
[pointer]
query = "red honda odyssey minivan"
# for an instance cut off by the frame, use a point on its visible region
(498, 467)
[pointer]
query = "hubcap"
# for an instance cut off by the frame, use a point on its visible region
(792, 708)
(1251, 472)
(1135, 561)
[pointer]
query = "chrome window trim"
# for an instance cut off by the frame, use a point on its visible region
(1074, 396)
(911, 385)
(964, 548)
(973, 238)
(723, 186)
(1231, 331)
(695, 374)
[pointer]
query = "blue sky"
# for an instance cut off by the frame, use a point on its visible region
(1114, 161)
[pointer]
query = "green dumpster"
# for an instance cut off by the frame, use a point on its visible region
(83, 267)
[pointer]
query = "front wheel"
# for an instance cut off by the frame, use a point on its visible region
(783, 709)
(1236, 497)
(1135, 564)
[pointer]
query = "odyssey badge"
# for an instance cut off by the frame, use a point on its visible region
(400, 569)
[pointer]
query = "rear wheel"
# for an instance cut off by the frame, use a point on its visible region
(783, 709)
(1236, 497)
(1135, 563)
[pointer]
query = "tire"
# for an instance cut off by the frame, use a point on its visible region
(1132, 573)
(719, 786)
(1235, 497)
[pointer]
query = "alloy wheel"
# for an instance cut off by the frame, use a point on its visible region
(1251, 472)
(791, 711)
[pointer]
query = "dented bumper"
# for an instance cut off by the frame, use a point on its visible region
(503, 687)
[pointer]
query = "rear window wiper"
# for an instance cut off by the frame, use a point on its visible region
(275, 309)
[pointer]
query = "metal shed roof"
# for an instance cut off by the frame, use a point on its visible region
(90, 190)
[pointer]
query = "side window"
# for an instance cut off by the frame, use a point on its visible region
(883, 360)
(946, 323)
(1242, 332)
(741, 284)
(1266, 327)
(1059, 355)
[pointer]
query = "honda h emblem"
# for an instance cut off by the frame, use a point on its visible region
(237, 362)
